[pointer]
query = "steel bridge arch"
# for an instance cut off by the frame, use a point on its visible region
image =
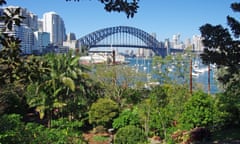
(93, 38)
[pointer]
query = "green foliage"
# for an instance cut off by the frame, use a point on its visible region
(126, 117)
(57, 82)
(10, 61)
(100, 138)
(116, 81)
(103, 111)
(12, 130)
(229, 105)
(222, 47)
(133, 96)
(11, 99)
(65, 124)
(172, 69)
(130, 135)
(199, 111)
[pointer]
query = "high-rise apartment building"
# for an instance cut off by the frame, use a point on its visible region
(197, 43)
(25, 34)
(31, 20)
(54, 24)
(41, 41)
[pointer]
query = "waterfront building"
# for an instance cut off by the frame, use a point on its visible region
(177, 44)
(54, 24)
(188, 43)
(176, 40)
(197, 43)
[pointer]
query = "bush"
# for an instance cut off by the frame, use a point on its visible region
(103, 112)
(127, 117)
(130, 135)
(13, 131)
(199, 111)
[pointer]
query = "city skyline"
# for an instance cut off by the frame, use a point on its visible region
(165, 18)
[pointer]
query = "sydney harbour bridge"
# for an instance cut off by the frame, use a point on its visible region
(125, 37)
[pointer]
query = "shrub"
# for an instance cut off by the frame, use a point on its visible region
(127, 117)
(130, 135)
(199, 111)
(103, 111)
(12, 131)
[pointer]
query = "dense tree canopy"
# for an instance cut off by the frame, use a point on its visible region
(223, 47)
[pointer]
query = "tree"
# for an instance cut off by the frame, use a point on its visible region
(172, 69)
(222, 47)
(54, 81)
(116, 80)
(102, 112)
(126, 117)
(11, 63)
(200, 111)
(130, 8)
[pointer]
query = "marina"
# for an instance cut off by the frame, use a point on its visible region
(199, 74)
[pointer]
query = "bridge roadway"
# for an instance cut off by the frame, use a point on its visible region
(161, 50)
(120, 45)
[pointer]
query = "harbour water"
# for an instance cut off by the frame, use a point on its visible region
(200, 77)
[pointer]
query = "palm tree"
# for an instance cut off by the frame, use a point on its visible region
(58, 82)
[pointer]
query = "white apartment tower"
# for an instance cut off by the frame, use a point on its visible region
(54, 24)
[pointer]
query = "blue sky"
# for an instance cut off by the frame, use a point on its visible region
(163, 17)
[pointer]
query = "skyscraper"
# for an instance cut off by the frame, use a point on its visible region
(54, 24)
(41, 41)
(25, 34)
